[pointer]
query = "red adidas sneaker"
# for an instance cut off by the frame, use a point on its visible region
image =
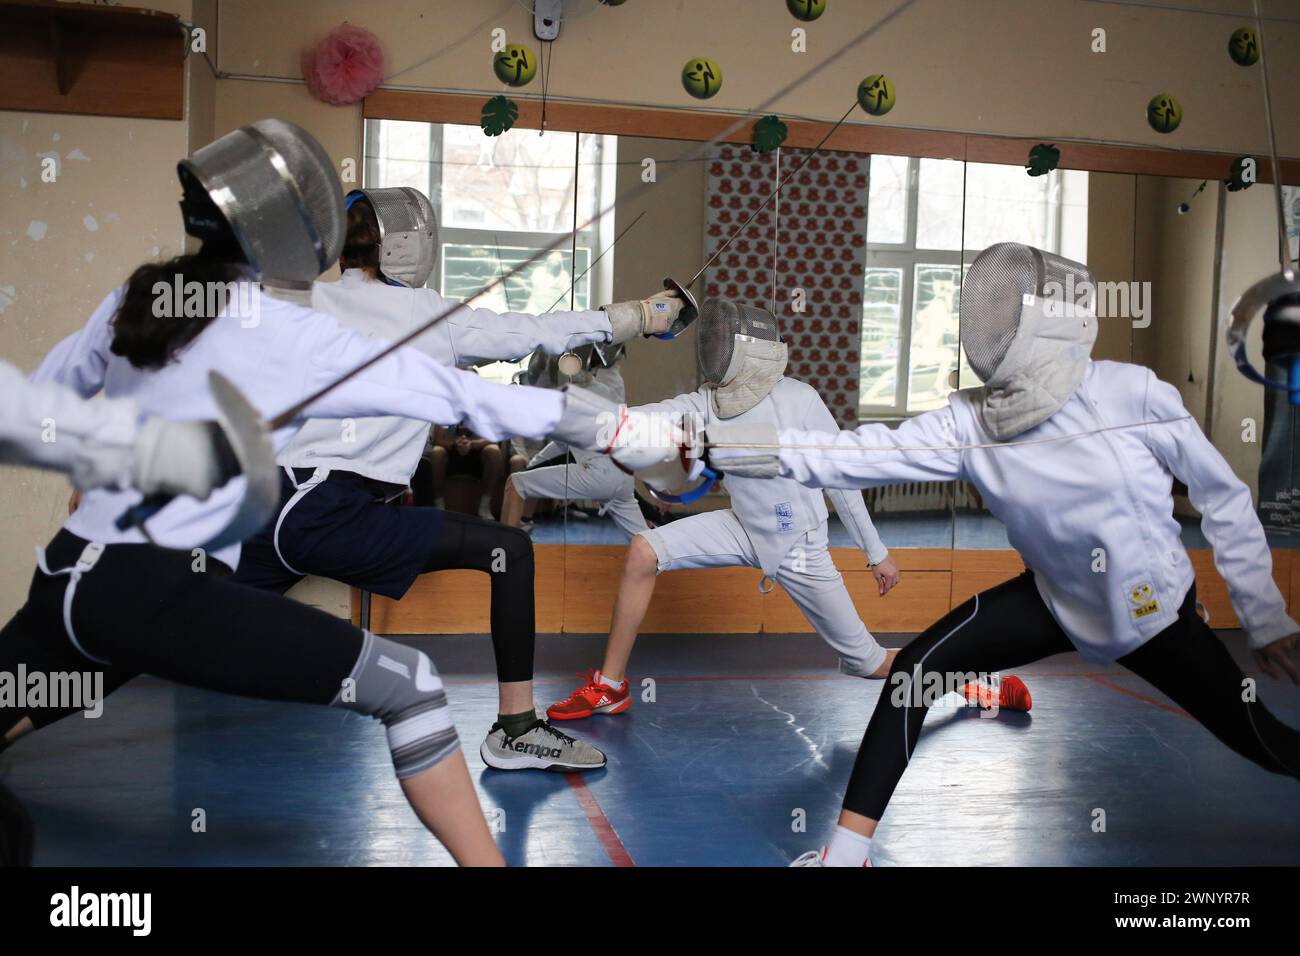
(591, 698)
(1012, 694)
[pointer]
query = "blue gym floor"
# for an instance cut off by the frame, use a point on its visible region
(747, 736)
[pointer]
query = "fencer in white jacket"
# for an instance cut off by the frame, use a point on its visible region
(779, 527)
(1077, 459)
(341, 474)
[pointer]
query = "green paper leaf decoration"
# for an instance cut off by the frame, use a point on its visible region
(1237, 179)
(1043, 158)
(769, 133)
(499, 114)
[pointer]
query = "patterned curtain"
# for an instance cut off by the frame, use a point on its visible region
(802, 257)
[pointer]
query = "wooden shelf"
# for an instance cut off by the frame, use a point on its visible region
(84, 58)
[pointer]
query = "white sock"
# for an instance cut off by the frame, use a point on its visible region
(607, 682)
(847, 848)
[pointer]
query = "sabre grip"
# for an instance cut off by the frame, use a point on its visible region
(138, 514)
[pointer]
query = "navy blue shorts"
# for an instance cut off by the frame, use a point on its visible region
(341, 528)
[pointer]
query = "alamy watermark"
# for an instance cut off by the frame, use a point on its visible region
(62, 690)
(1111, 300)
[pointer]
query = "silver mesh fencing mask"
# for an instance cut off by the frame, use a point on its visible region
(722, 326)
(408, 233)
(1028, 323)
(279, 195)
(739, 352)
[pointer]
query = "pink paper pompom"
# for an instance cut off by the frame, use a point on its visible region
(345, 66)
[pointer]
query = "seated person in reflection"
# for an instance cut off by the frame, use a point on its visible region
(459, 452)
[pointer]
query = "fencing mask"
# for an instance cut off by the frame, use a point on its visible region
(271, 188)
(1028, 321)
(408, 233)
(740, 353)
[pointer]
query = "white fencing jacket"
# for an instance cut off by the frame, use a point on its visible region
(1090, 511)
(50, 426)
(777, 512)
(277, 353)
(388, 449)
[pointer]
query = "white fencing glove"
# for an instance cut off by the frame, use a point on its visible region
(650, 316)
(190, 458)
(662, 449)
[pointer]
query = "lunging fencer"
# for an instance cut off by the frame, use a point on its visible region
(779, 527)
(339, 475)
(125, 600)
(1077, 458)
(98, 444)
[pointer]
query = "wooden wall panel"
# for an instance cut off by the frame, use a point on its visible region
(91, 59)
(908, 559)
(576, 587)
(458, 602)
(920, 598)
(1212, 590)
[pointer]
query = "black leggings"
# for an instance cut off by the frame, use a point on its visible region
(146, 610)
(1010, 626)
(506, 555)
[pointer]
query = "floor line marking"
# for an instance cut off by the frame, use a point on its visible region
(605, 832)
(1142, 697)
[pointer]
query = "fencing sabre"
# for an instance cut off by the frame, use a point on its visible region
(1266, 295)
(140, 513)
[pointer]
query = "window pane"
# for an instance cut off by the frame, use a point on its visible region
(939, 205)
(401, 154)
(516, 181)
(1005, 204)
(934, 347)
(536, 289)
(887, 200)
(882, 306)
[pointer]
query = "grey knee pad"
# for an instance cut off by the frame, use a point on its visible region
(400, 686)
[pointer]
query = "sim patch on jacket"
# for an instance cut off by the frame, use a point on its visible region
(1142, 600)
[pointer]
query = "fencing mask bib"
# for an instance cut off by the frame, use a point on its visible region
(271, 188)
(408, 233)
(740, 354)
(1028, 322)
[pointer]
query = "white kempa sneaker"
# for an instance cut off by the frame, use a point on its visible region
(815, 858)
(540, 747)
(811, 858)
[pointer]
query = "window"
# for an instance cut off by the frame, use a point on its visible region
(499, 200)
(926, 220)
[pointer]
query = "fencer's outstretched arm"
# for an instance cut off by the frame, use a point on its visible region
(1228, 518)
(49, 426)
(105, 443)
(469, 335)
(924, 448)
(848, 504)
(408, 383)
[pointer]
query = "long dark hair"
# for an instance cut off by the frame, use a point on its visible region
(150, 341)
(361, 249)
